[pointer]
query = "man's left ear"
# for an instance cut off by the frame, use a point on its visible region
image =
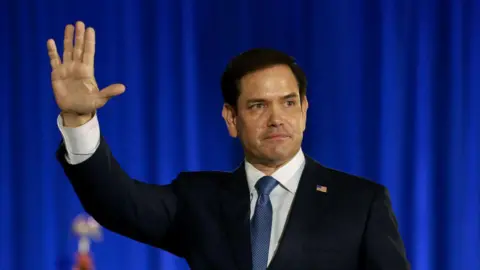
(304, 111)
(304, 105)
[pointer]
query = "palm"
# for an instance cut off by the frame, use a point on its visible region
(75, 88)
(73, 81)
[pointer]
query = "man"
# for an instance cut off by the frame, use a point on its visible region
(280, 209)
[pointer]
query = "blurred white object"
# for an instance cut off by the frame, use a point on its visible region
(86, 228)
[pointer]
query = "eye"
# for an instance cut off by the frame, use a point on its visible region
(257, 106)
(291, 103)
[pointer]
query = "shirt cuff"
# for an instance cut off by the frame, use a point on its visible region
(82, 140)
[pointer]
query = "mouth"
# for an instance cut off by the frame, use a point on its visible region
(277, 137)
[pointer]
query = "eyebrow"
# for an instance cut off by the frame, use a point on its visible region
(256, 100)
(292, 95)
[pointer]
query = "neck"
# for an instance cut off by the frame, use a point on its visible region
(268, 167)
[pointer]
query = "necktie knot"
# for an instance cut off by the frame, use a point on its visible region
(265, 185)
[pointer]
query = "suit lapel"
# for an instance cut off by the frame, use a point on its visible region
(307, 206)
(236, 215)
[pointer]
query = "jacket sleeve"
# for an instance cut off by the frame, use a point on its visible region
(141, 211)
(383, 247)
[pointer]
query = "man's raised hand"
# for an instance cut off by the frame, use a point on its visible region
(73, 81)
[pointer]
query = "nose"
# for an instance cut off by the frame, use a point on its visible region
(275, 118)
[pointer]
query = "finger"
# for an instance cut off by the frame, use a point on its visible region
(59, 74)
(89, 53)
(53, 54)
(79, 41)
(68, 44)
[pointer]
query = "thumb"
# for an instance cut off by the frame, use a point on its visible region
(112, 90)
(107, 93)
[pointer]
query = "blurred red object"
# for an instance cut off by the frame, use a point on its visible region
(83, 261)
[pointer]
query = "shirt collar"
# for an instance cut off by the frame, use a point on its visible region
(286, 175)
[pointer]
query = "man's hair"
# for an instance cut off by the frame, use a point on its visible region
(254, 60)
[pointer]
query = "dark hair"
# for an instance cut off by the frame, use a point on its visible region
(253, 60)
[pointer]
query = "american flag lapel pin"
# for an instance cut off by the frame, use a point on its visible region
(321, 188)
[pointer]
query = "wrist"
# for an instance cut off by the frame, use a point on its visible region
(73, 120)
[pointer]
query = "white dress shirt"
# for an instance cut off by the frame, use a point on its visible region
(81, 142)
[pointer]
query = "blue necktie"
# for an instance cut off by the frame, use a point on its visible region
(261, 224)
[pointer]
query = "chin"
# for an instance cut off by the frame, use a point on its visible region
(278, 156)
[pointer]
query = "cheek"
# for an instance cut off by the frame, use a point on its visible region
(255, 133)
(251, 130)
(295, 125)
(300, 125)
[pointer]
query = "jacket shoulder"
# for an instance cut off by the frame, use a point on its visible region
(351, 180)
(343, 179)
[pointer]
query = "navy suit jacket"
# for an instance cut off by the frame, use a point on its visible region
(204, 216)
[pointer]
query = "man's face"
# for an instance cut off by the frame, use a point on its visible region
(270, 119)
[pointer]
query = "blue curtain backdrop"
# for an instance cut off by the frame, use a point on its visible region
(393, 87)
